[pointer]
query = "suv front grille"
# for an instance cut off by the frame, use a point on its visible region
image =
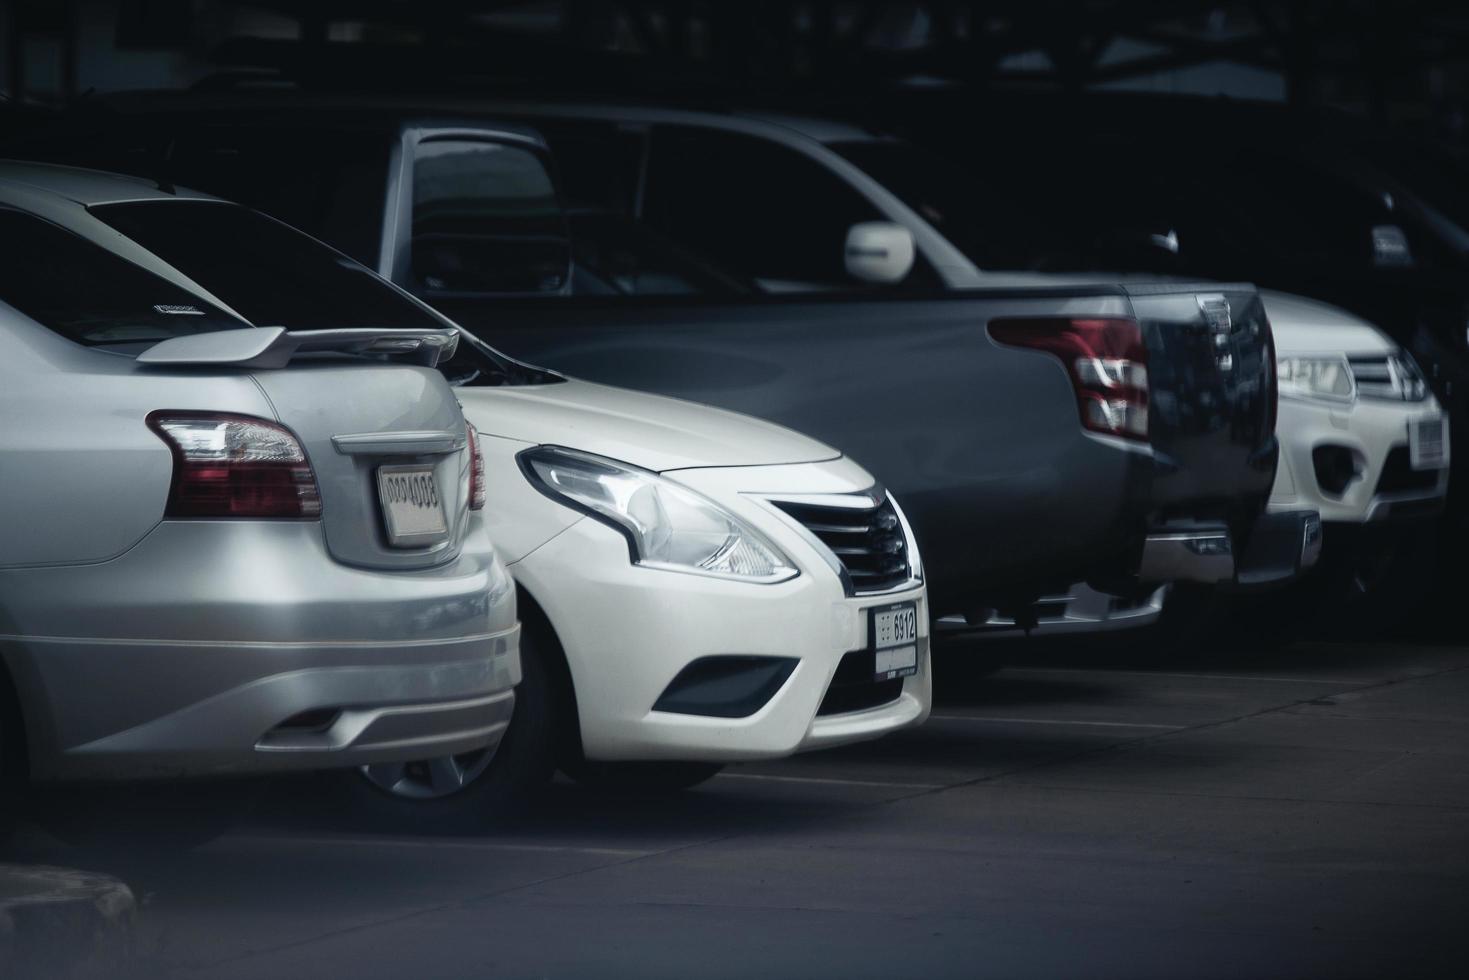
(1389, 376)
(868, 541)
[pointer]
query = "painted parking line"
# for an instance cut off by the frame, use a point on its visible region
(1189, 675)
(989, 719)
(831, 780)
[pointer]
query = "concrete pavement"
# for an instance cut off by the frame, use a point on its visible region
(1124, 813)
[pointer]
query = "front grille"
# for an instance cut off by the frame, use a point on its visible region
(868, 541)
(1391, 376)
(1398, 475)
(1374, 377)
(854, 689)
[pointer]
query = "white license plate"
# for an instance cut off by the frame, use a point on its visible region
(412, 508)
(1426, 443)
(894, 632)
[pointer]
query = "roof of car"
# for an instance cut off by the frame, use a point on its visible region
(497, 113)
(83, 186)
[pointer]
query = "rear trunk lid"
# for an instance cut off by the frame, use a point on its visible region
(354, 419)
(358, 400)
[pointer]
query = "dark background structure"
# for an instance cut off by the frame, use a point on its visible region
(1400, 63)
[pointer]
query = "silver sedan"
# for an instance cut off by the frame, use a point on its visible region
(239, 509)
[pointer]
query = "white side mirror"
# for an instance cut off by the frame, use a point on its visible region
(879, 251)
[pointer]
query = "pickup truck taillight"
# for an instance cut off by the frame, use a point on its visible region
(1106, 360)
(235, 466)
(476, 471)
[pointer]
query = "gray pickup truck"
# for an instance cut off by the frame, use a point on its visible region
(1038, 434)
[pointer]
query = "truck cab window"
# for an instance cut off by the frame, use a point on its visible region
(486, 220)
(761, 211)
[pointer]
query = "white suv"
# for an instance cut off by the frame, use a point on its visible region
(1362, 438)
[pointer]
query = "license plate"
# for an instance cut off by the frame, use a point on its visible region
(894, 632)
(1426, 443)
(412, 508)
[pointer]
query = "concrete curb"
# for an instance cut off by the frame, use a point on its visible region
(70, 925)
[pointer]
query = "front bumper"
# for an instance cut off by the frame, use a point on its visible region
(629, 631)
(241, 647)
(1369, 433)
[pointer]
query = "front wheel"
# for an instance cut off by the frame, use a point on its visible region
(471, 787)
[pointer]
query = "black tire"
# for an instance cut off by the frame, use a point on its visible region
(13, 775)
(522, 763)
(641, 777)
(9, 795)
(1374, 579)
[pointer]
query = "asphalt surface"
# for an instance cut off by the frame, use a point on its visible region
(1129, 812)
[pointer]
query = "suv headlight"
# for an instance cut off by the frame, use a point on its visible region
(1315, 377)
(666, 525)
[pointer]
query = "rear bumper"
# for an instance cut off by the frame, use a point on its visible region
(434, 699)
(1282, 546)
(186, 655)
(1081, 609)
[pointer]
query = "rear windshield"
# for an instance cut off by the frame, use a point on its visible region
(91, 295)
(268, 272)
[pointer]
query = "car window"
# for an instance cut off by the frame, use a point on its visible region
(485, 220)
(616, 254)
(761, 210)
(268, 272)
(44, 267)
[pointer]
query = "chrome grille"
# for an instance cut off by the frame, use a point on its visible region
(1389, 376)
(868, 541)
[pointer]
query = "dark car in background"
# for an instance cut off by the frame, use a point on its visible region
(1190, 187)
(1040, 434)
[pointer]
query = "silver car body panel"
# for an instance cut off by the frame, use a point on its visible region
(145, 646)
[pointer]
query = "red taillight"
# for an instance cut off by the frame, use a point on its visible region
(1105, 359)
(476, 471)
(235, 466)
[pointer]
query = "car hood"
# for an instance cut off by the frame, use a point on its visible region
(1304, 326)
(645, 430)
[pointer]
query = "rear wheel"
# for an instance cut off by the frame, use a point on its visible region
(470, 788)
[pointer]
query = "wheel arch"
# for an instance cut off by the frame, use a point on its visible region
(533, 617)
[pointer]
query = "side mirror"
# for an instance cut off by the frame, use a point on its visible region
(879, 252)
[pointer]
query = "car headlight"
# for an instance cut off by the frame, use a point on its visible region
(1315, 377)
(666, 525)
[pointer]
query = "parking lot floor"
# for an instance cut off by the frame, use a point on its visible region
(1125, 813)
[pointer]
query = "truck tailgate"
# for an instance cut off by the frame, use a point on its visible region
(1211, 372)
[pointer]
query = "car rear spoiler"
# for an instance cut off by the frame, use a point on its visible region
(273, 347)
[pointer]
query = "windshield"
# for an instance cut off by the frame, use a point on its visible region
(42, 265)
(942, 193)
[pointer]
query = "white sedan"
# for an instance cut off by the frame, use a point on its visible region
(696, 587)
